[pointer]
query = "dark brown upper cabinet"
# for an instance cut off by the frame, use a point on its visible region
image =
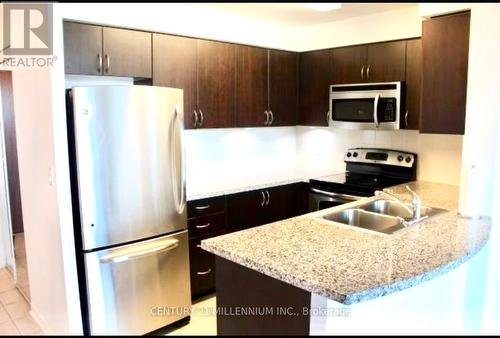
(82, 49)
(283, 87)
(377, 62)
(386, 62)
(174, 65)
(216, 83)
(95, 50)
(316, 76)
(445, 50)
(349, 65)
(413, 84)
(251, 87)
(126, 53)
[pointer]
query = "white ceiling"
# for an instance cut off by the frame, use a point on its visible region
(297, 14)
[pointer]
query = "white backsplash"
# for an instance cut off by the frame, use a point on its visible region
(220, 159)
(439, 156)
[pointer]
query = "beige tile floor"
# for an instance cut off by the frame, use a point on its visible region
(15, 318)
(203, 320)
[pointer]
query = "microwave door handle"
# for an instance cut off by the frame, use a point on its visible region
(375, 110)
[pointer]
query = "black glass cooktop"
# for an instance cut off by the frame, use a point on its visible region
(354, 183)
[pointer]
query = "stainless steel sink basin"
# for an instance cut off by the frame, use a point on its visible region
(367, 220)
(392, 208)
(384, 216)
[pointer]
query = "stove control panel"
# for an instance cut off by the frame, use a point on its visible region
(380, 156)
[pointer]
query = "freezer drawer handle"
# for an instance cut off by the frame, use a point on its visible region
(201, 273)
(123, 255)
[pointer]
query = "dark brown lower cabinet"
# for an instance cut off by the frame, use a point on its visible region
(220, 215)
(202, 268)
(242, 288)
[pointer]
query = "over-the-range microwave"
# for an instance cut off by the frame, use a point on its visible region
(366, 106)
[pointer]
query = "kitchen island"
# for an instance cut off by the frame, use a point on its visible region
(306, 275)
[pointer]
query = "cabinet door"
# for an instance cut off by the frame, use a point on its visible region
(216, 83)
(281, 203)
(251, 86)
(349, 65)
(202, 268)
(386, 62)
(243, 210)
(413, 83)
(174, 65)
(82, 49)
(316, 74)
(283, 87)
(445, 50)
(126, 53)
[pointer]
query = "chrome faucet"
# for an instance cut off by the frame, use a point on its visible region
(416, 202)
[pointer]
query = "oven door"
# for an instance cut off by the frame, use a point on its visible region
(320, 199)
(365, 107)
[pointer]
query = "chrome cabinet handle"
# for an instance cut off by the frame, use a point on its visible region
(201, 119)
(99, 63)
(267, 117)
(328, 118)
(195, 122)
(125, 254)
(363, 72)
(272, 117)
(375, 110)
(368, 72)
(406, 119)
(203, 226)
(108, 61)
(263, 199)
(202, 207)
(201, 273)
(268, 197)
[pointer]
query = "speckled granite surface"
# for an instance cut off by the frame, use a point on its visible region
(432, 194)
(245, 188)
(348, 264)
(268, 182)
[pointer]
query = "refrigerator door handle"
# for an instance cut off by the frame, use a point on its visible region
(179, 197)
(122, 255)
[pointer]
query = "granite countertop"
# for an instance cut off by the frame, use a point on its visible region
(350, 265)
(262, 183)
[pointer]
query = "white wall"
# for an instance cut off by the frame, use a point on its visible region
(397, 24)
(186, 19)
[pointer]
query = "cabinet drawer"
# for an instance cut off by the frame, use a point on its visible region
(202, 226)
(206, 206)
(202, 268)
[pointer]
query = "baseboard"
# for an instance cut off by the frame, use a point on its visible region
(38, 319)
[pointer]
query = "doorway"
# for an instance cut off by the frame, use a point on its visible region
(13, 256)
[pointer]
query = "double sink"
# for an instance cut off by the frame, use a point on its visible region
(381, 215)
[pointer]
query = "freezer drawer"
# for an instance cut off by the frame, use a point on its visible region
(140, 287)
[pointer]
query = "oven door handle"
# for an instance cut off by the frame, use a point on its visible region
(335, 194)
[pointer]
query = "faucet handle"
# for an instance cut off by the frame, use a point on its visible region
(413, 193)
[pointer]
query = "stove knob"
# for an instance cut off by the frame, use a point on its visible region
(408, 159)
(355, 154)
(349, 154)
(400, 158)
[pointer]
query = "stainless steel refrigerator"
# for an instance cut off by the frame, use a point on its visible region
(129, 203)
